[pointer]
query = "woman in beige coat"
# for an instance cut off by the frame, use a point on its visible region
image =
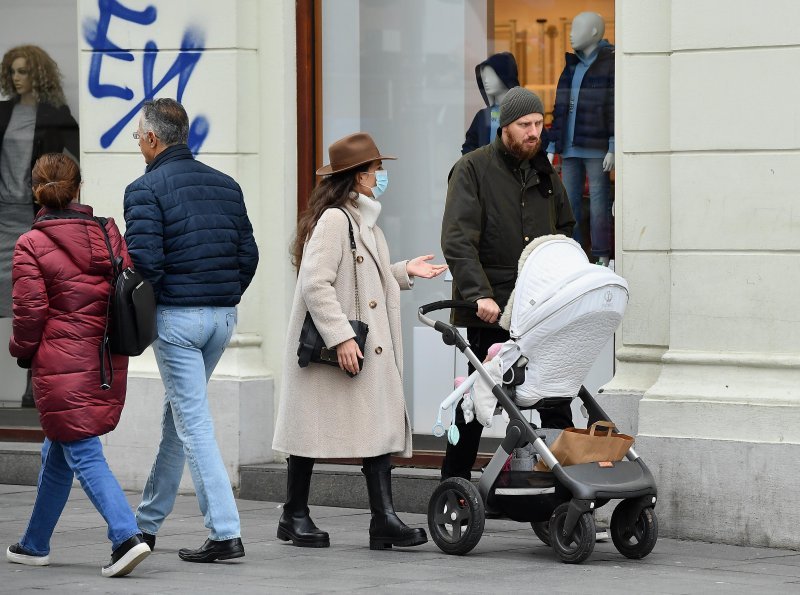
(323, 412)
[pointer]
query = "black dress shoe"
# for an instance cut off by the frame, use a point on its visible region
(150, 540)
(214, 550)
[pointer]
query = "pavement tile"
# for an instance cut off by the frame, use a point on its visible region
(508, 558)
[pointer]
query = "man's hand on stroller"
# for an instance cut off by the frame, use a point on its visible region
(488, 310)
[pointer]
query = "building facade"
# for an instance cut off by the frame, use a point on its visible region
(708, 355)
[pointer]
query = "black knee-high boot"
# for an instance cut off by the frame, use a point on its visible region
(385, 529)
(295, 523)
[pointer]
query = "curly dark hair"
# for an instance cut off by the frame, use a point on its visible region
(45, 75)
(333, 191)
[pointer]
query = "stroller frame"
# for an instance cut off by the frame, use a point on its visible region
(577, 490)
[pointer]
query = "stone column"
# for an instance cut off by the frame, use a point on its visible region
(642, 201)
(211, 56)
(710, 244)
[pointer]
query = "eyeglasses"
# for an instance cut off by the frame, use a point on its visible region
(136, 135)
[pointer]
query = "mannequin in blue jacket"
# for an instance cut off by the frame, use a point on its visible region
(495, 75)
(583, 127)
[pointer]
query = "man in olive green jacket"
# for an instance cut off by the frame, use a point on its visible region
(500, 197)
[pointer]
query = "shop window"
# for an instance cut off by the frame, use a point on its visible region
(45, 25)
(405, 73)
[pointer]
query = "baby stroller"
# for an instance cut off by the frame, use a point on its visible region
(563, 311)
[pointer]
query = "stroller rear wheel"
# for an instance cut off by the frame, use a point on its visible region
(575, 548)
(456, 516)
(637, 540)
(542, 530)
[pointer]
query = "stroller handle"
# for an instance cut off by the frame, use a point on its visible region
(441, 305)
(450, 334)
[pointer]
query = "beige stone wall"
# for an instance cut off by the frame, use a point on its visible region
(710, 245)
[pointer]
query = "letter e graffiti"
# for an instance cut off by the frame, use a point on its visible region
(192, 46)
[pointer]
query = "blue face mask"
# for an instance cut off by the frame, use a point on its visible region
(381, 182)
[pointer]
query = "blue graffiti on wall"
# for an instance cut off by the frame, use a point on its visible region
(96, 34)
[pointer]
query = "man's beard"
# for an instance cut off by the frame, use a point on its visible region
(520, 152)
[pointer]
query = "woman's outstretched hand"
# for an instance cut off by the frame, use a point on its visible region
(349, 354)
(420, 267)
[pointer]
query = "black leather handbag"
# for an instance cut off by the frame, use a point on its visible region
(312, 348)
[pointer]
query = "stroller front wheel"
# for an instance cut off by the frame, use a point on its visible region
(456, 516)
(637, 540)
(575, 548)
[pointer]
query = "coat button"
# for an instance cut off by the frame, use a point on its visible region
(359, 259)
(526, 239)
(373, 303)
(379, 350)
(549, 192)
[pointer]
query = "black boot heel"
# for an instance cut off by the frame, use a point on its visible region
(379, 544)
(283, 534)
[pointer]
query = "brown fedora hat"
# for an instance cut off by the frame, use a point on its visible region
(351, 151)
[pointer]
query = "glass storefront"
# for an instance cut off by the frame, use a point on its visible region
(39, 23)
(405, 73)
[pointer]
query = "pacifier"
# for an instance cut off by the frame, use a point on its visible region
(438, 427)
(452, 432)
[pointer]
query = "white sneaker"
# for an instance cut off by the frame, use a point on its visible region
(16, 554)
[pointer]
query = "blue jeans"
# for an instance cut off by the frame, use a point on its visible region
(573, 173)
(61, 461)
(189, 345)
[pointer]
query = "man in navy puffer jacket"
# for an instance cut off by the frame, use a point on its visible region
(189, 235)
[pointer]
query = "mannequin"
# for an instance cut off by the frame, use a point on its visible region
(583, 127)
(35, 120)
(495, 76)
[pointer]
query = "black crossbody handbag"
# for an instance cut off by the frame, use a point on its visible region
(312, 348)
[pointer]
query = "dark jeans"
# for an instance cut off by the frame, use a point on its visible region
(460, 458)
(573, 173)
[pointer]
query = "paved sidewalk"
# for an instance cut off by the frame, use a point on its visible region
(508, 558)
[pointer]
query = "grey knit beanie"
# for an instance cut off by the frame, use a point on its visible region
(519, 102)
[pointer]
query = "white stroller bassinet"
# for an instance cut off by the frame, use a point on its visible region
(562, 312)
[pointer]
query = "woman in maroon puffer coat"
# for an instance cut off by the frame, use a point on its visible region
(61, 278)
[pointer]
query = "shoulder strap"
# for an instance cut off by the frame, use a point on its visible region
(350, 229)
(355, 268)
(107, 379)
(116, 261)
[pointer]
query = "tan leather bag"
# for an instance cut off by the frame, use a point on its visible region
(574, 446)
